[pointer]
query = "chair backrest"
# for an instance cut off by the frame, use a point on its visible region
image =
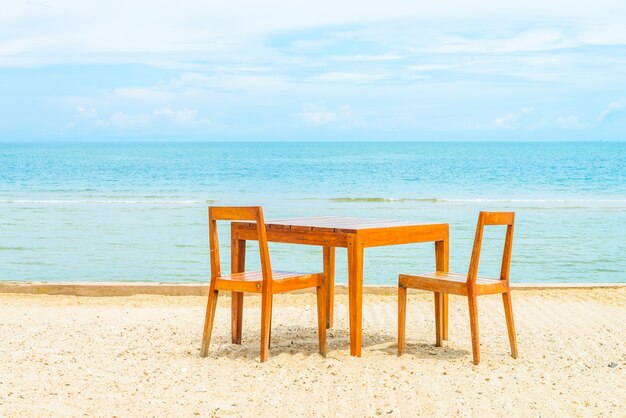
(238, 213)
(492, 218)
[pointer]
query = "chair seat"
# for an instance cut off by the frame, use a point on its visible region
(282, 281)
(454, 283)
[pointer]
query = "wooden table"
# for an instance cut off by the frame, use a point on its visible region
(329, 232)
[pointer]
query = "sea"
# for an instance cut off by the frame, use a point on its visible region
(129, 211)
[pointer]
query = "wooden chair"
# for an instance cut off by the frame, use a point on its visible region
(266, 282)
(442, 283)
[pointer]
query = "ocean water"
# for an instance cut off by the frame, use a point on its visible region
(138, 211)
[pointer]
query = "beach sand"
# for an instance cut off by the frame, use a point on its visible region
(139, 356)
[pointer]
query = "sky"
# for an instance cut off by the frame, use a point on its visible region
(80, 70)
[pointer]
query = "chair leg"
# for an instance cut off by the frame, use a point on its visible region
(266, 319)
(438, 318)
(208, 322)
(473, 314)
(269, 343)
(508, 312)
(322, 294)
(401, 318)
(445, 317)
(236, 316)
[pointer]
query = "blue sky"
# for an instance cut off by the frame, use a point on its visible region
(350, 70)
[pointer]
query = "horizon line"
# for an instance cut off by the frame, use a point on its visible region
(199, 141)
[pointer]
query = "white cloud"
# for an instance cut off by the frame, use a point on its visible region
(85, 112)
(350, 77)
(34, 33)
(604, 34)
(184, 117)
(185, 90)
(122, 120)
(568, 122)
(82, 115)
(368, 58)
(311, 45)
(136, 93)
(226, 80)
(431, 67)
(511, 120)
(317, 114)
(541, 39)
(617, 107)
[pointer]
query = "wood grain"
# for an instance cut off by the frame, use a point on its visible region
(267, 282)
(442, 283)
(329, 274)
(355, 234)
(237, 265)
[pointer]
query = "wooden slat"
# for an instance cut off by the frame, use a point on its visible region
(258, 275)
(374, 234)
(456, 277)
(373, 224)
(343, 224)
(500, 286)
(297, 221)
(499, 218)
(234, 213)
(297, 283)
(338, 223)
(432, 285)
(294, 236)
(319, 222)
(451, 283)
(404, 234)
(282, 281)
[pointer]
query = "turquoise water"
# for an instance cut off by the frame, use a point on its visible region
(137, 212)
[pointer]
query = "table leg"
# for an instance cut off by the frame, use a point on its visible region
(438, 318)
(444, 313)
(442, 257)
(329, 273)
(355, 290)
(237, 265)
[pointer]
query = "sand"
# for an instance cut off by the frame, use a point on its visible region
(138, 356)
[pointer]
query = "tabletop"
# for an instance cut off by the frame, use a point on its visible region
(336, 224)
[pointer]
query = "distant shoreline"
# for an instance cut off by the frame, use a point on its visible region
(195, 289)
(301, 141)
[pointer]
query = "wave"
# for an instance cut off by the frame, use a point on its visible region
(526, 203)
(374, 199)
(463, 200)
(102, 202)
